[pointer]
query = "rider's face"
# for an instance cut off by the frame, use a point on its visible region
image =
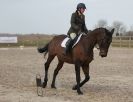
(82, 10)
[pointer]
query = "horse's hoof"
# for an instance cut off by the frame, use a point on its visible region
(74, 87)
(80, 93)
(53, 86)
(44, 85)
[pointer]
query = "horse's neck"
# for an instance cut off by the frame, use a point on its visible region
(92, 39)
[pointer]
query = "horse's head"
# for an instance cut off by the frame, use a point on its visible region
(104, 40)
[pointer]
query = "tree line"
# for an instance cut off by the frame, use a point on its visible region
(120, 28)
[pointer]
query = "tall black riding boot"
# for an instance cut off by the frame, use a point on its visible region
(68, 46)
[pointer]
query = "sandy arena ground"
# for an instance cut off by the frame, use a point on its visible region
(111, 78)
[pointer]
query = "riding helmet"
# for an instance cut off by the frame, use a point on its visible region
(81, 5)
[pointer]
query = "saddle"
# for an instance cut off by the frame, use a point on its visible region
(75, 41)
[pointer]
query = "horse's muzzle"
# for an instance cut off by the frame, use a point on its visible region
(103, 53)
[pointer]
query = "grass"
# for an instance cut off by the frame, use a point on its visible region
(29, 40)
(40, 40)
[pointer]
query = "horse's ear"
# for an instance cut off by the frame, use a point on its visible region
(112, 31)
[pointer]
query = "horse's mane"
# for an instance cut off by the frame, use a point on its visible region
(96, 31)
(100, 29)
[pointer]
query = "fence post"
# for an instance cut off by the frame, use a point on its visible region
(129, 41)
(120, 41)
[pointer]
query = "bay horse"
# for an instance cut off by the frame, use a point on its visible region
(81, 55)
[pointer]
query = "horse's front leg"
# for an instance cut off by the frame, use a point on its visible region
(85, 69)
(77, 70)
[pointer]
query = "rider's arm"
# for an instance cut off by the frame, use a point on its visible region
(84, 26)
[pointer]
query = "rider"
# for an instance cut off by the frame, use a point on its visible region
(77, 25)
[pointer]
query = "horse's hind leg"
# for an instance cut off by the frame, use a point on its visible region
(59, 66)
(85, 69)
(50, 58)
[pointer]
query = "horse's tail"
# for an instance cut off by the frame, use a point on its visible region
(43, 49)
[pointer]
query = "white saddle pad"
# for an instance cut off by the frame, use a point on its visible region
(63, 44)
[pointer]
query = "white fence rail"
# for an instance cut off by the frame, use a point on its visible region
(123, 41)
